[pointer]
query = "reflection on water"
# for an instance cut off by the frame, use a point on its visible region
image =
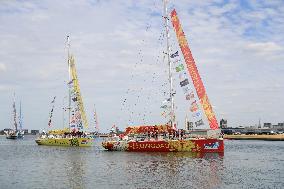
(75, 170)
(175, 170)
(26, 165)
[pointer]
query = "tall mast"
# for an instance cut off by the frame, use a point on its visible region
(20, 117)
(172, 113)
(69, 80)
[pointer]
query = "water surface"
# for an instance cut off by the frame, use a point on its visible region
(245, 164)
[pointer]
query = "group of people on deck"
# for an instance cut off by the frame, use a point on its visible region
(153, 135)
(73, 134)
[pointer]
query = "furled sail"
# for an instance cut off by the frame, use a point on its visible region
(192, 69)
(15, 114)
(20, 118)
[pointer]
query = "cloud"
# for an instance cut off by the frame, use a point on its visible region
(3, 67)
(266, 47)
(118, 48)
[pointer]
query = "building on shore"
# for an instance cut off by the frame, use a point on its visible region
(34, 132)
(267, 125)
(26, 131)
(223, 123)
(268, 128)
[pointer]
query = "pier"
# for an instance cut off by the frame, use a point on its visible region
(278, 137)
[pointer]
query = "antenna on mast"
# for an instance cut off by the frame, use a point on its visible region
(172, 113)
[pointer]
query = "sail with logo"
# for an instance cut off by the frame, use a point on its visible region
(197, 82)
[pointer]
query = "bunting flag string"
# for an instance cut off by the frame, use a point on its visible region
(188, 91)
(51, 112)
(96, 120)
(76, 121)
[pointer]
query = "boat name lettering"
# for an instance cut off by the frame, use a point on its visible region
(149, 145)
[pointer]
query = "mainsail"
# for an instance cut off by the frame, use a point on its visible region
(192, 69)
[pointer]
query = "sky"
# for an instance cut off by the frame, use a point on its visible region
(118, 45)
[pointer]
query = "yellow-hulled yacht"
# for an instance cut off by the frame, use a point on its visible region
(74, 135)
(64, 138)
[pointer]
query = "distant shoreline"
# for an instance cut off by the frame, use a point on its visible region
(279, 137)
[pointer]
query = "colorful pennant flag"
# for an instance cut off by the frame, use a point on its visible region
(179, 68)
(174, 54)
(176, 61)
(199, 122)
(185, 89)
(164, 106)
(70, 82)
(197, 114)
(182, 75)
(189, 96)
(53, 99)
(184, 83)
(194, 106)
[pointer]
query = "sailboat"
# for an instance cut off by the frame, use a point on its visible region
(74, 134)
(166, 137)
(16, 133)
(94, 134)
(96, 124)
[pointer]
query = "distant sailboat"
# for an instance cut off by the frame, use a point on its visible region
(16, 133)
(96, 122)
(74, 134)
(96, 125)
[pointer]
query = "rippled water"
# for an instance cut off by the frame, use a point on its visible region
(245, 164)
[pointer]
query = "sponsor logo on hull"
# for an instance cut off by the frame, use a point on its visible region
(212, 146)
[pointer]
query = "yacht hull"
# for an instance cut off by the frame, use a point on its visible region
(188, 145)
(73, 142)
